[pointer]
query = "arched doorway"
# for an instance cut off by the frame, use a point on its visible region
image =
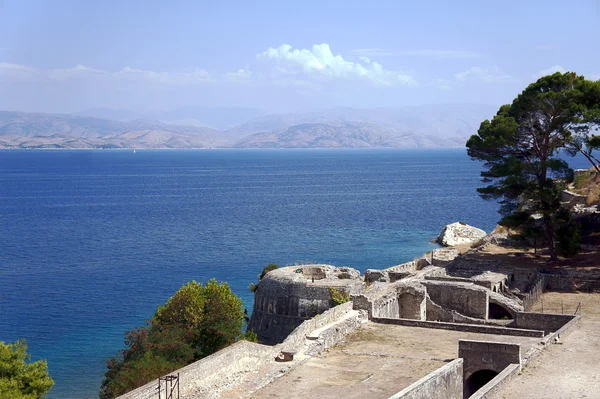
(477, 380)
(498, 312)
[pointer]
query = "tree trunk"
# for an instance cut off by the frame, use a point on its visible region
(589, 158)
(549, 227)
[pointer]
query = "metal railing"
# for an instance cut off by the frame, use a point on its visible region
(169, 384)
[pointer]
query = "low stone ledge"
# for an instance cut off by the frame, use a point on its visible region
(445, 382)
(476, 328)
(544, 321)
(488, 390)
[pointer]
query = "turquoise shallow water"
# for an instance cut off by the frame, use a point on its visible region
(92, 241)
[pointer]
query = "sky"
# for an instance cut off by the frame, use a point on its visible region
(286, 55)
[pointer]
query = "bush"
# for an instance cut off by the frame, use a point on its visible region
(339, 296)
(250, 336)
(19, 379)
(194, 323)
(271, 266)
(267, 269)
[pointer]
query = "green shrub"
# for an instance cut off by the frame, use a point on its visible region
(250, 336)
(271, 266)
(267, 269)
(339, 296)
(194, 323)
(20, 379)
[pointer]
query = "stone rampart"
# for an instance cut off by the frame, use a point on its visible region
(541, 321)
(211, 374)
(296, 339)
(475, 328)
(288, 296)
(445, 382)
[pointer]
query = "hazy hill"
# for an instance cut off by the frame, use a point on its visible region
(344, 135)
(451, 120)
(405, 127)
(220, 118)
(18, 129)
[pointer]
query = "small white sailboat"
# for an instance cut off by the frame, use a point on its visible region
(134, 150)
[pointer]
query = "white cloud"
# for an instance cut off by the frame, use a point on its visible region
(16, 72)
(78, 71)
(487, 75)
(321, 62)
(6, 67)
(239, 75)
(595, 77)
(178, 77)
(374, 52)
(550, 71)
(430, 53)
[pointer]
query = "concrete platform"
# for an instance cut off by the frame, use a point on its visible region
(376, 362)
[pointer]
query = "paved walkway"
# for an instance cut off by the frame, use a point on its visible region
(376, 361)
(570, 370)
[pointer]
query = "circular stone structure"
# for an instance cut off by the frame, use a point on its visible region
(287, 296)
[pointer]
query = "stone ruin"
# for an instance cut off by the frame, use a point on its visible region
(297, 314)
(288, 296)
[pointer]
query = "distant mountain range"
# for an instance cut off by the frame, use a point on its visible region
(432, 126)
(219, 118)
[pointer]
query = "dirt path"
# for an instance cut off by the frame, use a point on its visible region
(570, 370)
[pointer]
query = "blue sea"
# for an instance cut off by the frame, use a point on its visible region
(92, 241)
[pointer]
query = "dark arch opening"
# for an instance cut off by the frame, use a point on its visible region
(477, 380)
(498, 312)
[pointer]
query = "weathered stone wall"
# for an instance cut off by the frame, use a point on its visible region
(214, 372)
(298, 336)
(483, 355)
(489, 390)
(412, 302)
(401, 299)
(572, 280)
(280, 307)
(285, 298)
(378, 301)
(540, 321)
(536, 291)
(445, 382)
(475, 328)
(469, 300)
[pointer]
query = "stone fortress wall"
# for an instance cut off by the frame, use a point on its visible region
(294, 317)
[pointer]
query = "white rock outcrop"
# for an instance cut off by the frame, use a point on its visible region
(459, 233)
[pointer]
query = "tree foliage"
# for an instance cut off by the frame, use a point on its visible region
(20, 379)
(585, 128)
(271, 266)
(520, 148)
(194, 323)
